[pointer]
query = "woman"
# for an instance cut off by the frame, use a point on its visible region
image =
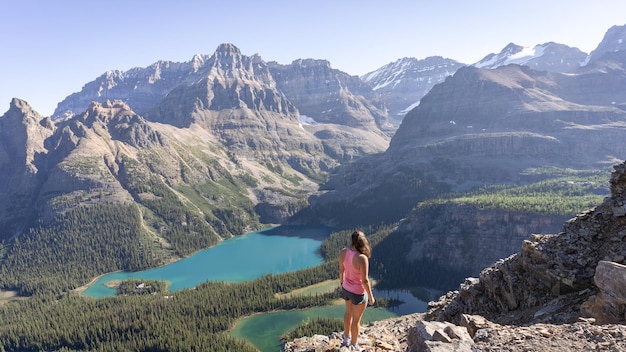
(355, 285)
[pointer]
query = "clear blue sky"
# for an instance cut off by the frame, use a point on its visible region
(50, 49)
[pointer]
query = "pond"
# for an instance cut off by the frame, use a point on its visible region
(264, 330)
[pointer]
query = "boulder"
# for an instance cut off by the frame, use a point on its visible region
(439, 337)
(609, 305)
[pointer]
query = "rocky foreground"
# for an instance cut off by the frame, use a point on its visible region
(563, 292)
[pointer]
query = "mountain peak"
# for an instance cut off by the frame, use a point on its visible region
(311, 62)
(614, 40)
(20, 105)
(405, 81)
(552, 57)
(227, 51)
(228, 61)
(21, 109)
(22, 135)
(228, 47)
(512, 48)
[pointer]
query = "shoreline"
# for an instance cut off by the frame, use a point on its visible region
(173, 259)
(81, 289)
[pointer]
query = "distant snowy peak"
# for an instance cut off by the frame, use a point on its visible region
(410, 69)
(511, 53)
(389, 73)
(614, 40)
(402, 83)
(550, 56)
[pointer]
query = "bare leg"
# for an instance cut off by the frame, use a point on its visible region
(347, 318)
(357, 314)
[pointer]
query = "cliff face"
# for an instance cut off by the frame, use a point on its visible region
(340, 110)
(466, 239)
(553, 275)
(22, 153)
(330, 96)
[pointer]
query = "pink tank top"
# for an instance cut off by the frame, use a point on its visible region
(352, 276)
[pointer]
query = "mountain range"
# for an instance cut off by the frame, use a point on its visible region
(227, 143)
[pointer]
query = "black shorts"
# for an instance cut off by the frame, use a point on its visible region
(355, 298)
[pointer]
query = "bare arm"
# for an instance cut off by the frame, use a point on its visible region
(342, 269)
(364, 269)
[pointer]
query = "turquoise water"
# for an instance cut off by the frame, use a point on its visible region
(239, 259)
(264, 330)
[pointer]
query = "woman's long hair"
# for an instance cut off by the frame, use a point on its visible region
(360, 243)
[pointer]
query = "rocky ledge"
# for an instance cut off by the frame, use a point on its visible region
(561, 292)
(413, 333)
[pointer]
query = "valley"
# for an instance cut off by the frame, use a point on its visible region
(145, 171)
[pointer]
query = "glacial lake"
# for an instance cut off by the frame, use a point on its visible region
(241, 258)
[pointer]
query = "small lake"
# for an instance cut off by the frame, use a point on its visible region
(241, 258)
(264, 330)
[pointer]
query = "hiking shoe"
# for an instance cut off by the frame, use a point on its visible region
(356, 348)
(346, 341)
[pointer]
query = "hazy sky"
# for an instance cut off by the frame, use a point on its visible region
(50, 49)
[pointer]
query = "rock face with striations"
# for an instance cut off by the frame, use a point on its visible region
(229, 91)
(328, 95)
(340, 110)
(237, 101)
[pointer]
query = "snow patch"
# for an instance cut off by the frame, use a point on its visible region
(409, 108)
(520, 58)
(525, 55)
(306, 120)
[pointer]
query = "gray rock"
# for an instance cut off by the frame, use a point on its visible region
(609, 305)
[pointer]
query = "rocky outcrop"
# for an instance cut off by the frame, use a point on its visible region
(553, 275)
(412, 334)
(23, 132)
(609, 305)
